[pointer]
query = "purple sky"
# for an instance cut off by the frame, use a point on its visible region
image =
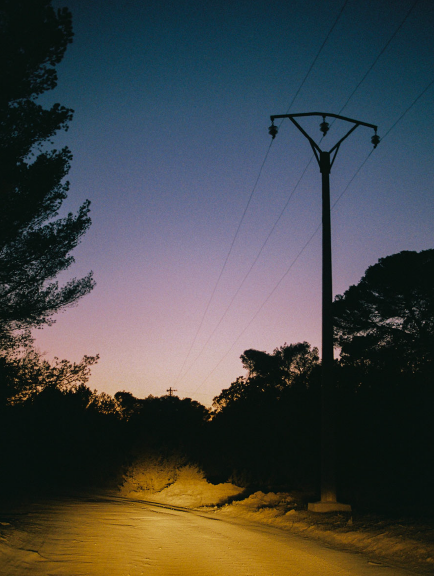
(172, 103)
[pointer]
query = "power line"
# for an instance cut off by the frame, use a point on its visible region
(224, 264)
(311, 238)
(292, 193)
(298, 182)
(245, 211)
(249, 270)
(409, 108)
(317, 56)
(383, 137)
(262, 306)
(379, 55)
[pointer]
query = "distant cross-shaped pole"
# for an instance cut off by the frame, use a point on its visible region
(171, 391)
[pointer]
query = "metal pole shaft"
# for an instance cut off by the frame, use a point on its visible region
(328, 481)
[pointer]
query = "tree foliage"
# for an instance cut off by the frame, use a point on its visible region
(388, 317)
(25, 376)
(162, 421)
(35, 245)
(271, 411)
(385, 328)
(289, 365)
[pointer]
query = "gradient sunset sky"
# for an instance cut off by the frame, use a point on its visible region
(172, 102)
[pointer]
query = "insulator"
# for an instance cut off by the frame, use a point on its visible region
(273, 130)
(375, 140)
(324, 127)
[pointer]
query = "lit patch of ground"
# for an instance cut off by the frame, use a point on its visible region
(403, 542)
(174, 482)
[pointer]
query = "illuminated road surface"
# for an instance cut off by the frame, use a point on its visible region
(118, 537)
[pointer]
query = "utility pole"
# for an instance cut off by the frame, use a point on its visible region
(171, 391)
(325, 161)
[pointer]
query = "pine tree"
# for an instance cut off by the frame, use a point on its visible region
(35, 243)
(387, 319)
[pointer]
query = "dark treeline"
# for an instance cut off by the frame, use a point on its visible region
(58, 434)
(264, 430)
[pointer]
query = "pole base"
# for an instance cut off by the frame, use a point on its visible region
(328, 507)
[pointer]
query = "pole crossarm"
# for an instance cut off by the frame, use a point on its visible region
(324, 128)
(373, 126)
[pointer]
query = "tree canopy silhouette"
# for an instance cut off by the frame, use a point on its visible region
(25, 376)
(388, 317)
(271, 411)
(35, 245)
(290, 365)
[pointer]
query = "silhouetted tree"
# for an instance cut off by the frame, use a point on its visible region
(265, 424)
(34, 245)
(165, 422)
(289, 365)
(385, 327)
(25, 376)
(55, 432)
(128, 404)
(387, 319)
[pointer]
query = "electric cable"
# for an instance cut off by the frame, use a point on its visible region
(261, 307)
(178, 377)
(383, 137)
(409, 108)
(342, 108)
(311, 238)
(317, 56)
(380, 54)
(293, 100)
(290, 106)
(249, 270)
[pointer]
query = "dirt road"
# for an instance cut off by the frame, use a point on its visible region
(109, 536)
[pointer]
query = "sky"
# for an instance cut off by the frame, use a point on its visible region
(203, 239)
